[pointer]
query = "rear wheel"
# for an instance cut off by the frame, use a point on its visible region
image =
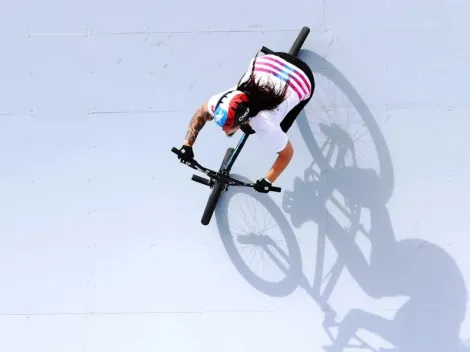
(216, 191)
(299, 41)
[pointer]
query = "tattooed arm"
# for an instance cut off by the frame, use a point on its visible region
(197, 122)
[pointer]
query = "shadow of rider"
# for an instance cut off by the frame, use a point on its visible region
(430, 320)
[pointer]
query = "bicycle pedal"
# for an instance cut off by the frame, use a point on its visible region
(201, 180)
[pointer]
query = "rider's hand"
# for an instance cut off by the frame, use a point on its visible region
(262, 185)
(187, 154)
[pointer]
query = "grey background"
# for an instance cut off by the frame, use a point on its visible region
(101, 246)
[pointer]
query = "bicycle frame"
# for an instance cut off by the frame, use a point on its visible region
(228, 166)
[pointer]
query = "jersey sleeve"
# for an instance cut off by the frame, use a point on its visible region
(270, 133)
(276, 140)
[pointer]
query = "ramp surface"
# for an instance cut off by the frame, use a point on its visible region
(101, 246)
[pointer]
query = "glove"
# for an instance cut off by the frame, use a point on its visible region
(247, 129)
(187, 154)
(262, 185)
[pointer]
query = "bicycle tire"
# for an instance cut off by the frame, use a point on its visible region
(212, 202)
(216, 191)
(299, 41)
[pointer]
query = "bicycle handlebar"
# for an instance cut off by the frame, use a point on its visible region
(195, 165)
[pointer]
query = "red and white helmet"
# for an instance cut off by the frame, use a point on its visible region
(232, 109)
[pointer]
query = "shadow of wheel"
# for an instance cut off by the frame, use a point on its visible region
(336, 104)
(333, 126)
(253, 230)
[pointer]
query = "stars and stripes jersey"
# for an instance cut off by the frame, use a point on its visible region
(274, 69)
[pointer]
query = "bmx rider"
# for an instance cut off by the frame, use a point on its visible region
(266, 101)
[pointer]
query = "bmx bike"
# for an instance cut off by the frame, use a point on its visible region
(219, 181)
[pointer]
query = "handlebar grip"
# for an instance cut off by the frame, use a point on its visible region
(176, 151)
(276, 189)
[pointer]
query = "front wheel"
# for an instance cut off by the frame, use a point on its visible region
(217, 190)
(212, 202)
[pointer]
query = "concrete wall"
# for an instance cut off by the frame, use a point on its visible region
(101, 246)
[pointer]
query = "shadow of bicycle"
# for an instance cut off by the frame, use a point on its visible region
(349, 179)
